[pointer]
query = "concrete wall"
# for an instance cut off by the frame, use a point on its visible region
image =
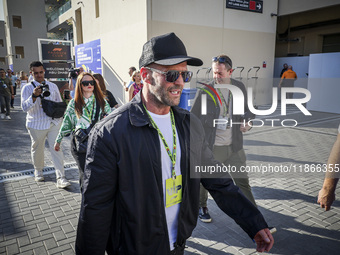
(306, 40)
(3, 49)
(300, 66)
(324, 82)
(208, 28)
(295, 6)
(33, 21)
(122, 28)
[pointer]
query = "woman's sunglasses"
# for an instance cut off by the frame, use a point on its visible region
(87, 83)
(172, 75)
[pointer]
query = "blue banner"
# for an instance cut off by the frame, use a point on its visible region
(89, 56)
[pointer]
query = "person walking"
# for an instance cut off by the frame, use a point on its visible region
(6, 94)
(132, 69)
(107, 93)
(41, 127)
(13, 78)
(80, 113)
(285, 68)
(136, 86)
(141, 194)
(287, 80)
(225, 140)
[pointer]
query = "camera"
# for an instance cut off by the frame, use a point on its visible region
(74, 72)
(80, 133)
(67, 94)
(3, 85)
(45, 89)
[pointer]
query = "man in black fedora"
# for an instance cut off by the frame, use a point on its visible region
(140, 196)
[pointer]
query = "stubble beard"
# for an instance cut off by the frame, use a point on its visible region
(160, 95)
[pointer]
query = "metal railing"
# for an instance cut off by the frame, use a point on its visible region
(238, 67)
(62, 9)
(206, 75)
(251, 68)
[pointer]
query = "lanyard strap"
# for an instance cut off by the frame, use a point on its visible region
(226, 104)
(90, 113)
(172, 155)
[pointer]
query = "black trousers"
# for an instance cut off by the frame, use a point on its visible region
(179, 250)
(80, 160)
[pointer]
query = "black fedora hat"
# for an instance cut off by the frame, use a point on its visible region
(166, 50)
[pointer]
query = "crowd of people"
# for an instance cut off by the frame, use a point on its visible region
(9, 83)
(138, 158)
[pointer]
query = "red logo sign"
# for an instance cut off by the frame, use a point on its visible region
(252, 5)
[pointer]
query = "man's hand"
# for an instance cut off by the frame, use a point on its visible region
(57, 146)
(245, 128)
(264, 240)
(36, 92)
(326, 198)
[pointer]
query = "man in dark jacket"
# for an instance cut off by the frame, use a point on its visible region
(140, 196)
(6, 94)
(225, 139)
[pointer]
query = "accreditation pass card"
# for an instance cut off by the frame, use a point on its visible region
(173, 191)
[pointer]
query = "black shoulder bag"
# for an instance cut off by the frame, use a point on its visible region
(81, 135)
(51, 108)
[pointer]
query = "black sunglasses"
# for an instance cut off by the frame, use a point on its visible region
(172, 75)
(87, 83)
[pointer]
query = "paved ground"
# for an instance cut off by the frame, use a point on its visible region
(38, 218)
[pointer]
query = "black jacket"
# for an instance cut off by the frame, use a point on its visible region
(111, 99)
(213, 112)
(122, 208)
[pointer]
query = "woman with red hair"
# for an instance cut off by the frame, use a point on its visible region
(81, 113)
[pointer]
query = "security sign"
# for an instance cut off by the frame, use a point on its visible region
(246, 5)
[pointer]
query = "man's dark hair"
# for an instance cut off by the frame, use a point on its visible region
(36, 64)
(226, 61)
(132, 68)
(1, 69)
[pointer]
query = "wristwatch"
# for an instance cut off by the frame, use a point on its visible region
(34, 96)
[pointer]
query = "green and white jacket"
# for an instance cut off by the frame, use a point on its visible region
(71, 121)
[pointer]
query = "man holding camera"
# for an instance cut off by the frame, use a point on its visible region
(225, 140)
(41, 127)
(6, 94)
(73, 75)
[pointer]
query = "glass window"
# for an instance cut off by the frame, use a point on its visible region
(17, 21)
(331, 43)
(19, 50)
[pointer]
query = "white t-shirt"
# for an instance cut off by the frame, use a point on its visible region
(164, 124)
